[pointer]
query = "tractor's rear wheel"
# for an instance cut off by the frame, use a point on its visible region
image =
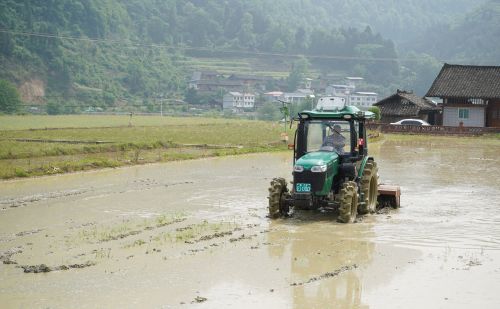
(278, 193)
(369, 188)
(348, 198)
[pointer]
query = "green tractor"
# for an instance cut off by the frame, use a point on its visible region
(332, 168)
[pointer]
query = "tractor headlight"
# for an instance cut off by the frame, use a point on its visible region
(319, 168)
(298, 168)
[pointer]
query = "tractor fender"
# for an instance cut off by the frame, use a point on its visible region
(362, 166)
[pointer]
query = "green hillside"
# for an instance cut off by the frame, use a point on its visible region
(122, 53)
(472, 39)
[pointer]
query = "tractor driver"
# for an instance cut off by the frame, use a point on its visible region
(336, 139)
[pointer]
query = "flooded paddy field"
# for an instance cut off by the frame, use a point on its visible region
(195, 234)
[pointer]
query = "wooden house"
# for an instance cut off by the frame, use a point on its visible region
(252, 81)
(470, 94)
(406, 104)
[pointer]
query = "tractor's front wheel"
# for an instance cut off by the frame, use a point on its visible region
(369, 188)
(278, 193)
(348, 198)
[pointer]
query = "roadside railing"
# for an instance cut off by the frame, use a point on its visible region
(439, 130)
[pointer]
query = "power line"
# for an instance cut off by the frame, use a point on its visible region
(227, 51)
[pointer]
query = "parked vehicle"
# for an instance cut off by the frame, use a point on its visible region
(411, 122)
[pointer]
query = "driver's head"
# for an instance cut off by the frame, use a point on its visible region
(337, 128)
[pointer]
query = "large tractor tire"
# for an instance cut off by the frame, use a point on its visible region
(369, 188)
(348, 198)
(278, 193)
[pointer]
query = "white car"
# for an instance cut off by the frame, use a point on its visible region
(411, 122)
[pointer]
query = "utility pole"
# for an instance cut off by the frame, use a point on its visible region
(286, 112)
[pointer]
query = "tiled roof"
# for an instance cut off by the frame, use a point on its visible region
(404, 103)
(250, 77)
(466, 81)
(218, 83)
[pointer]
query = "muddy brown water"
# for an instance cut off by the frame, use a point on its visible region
(195, 234)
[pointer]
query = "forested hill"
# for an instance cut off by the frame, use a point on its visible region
(96, 51)
(472, 39)
(400, 20)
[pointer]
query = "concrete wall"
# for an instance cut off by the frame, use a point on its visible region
(476, 117)
(228, 102)
(236, 102)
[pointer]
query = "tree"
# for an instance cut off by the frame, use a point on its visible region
(53, 108)
(269, 111)
(136, 77)
(9, 98)
(246, 35)
(157, 30)
(296, 76)
(191, 96)
(6, 44)
(376, 111)
(421, 72)
(300, 39)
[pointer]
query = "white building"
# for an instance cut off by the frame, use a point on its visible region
(237, 101)
(294, 97)
(353, 81)
(363, 99)
(348, 91)
(339, 90)
(299, 96)
(273, 96)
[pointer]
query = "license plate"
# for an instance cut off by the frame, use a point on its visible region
(303, 187)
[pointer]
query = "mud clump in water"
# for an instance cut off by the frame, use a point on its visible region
(121, 236)
(24, 233)
(384, 210)
(42, 268)
(25, 201)
(242, 237)
(6, 255)
(215, 235)
(199, 299)
(332, 274)
(162, 224)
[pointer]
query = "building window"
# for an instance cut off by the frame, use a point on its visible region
(463, 113)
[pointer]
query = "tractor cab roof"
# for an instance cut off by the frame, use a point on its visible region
(347, 113)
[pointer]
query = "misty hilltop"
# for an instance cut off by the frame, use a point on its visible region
(101, 52)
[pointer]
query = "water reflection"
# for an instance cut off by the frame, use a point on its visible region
(450, 192)
(440, 162)
(317, 249)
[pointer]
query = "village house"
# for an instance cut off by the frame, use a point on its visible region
(252, 81)
(336, 90)
(470, 95)
(215, 85)
(206, 75)
(321, 84)
(297, 97)
(406, 104)
(238, 102)
(212, 81)
(363, 99)
(198, 76)
(307, 83)
(273, 96)
(294, 97)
